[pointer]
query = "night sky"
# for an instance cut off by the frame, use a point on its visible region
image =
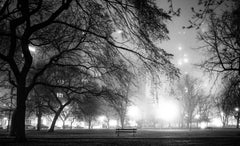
(183, 41)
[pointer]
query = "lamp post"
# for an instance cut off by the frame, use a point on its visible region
(237, 116)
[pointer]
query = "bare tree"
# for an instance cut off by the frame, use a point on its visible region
(222, 111)
(7, 98)
(109, 112)
(119, 102)
(230, 102)
(65, 114)
(88, 109)
(36, 105)
(25, 23)
(222, 43)
(206, 8)
(190, 94)
(204, 108)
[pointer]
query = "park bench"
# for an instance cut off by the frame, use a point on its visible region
(131, 130)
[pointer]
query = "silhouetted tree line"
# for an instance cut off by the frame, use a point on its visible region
(75, 52)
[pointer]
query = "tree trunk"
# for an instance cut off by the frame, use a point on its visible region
(187, 122)
(9, 119)
(39, 120)
(89, 123)
(190, 123)
(182, 122)
(122, 121)
(57, 114)
(20, 114)
(108, 123)
(226, 123)
(55, 119)
(13, 124)
(238, 114)
(63, 126)
(72, 123)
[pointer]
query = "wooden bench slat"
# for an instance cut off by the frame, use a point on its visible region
(133, 130)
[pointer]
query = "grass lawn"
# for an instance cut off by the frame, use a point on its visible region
(150, 137)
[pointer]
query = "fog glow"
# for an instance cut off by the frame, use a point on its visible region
(203, 125)
(167, 111)
(134, 112)
(113, 123)
(101, 118)
(32, 49)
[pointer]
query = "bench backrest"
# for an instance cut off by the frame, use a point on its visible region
(126, 129)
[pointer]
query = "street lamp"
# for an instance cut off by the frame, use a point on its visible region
(236, 109)
(237, 116)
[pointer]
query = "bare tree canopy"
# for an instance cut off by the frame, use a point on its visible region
(37, 35)
(222, 42)
(190, 94)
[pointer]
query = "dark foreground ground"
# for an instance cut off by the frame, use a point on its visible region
(172, 137)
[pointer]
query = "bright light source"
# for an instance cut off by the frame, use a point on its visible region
(197, 116)
(113, 123)
(236, 109)
(167, 111)
(97, 127)
(132, 123)
(32, 48)
(119, 31)
(185, 60)
(203, 125)
(179, 48)
(44, 120)
(217, 122)
(82, 124)
(133, 112)
(222, 114)
(101, 118)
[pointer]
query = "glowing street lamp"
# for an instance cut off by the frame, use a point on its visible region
(237, 116)
(236, 109)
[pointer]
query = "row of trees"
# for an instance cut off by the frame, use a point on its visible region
(221, 46)
(79, 54)
(76, 52)
(195, 104)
